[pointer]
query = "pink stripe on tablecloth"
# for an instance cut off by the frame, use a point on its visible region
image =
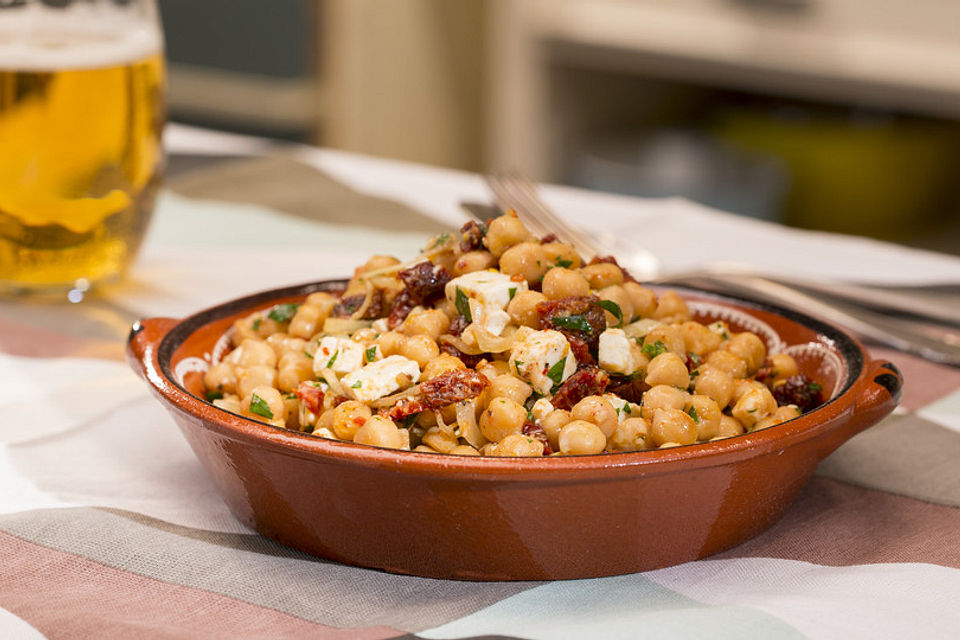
(836, 524)
(68, 597)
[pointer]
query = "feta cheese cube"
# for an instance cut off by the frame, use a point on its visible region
(489, 316)
(343, 355)
(381, 378)
(489, 288)
(541, 409)
(618, 353)
(543, 359)
(622, 407)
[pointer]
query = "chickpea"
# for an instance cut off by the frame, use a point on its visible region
(441, 364)
(671, 338)
(256, 352)
(552, 423)
(291, 412)
(508, 386)
(749, 348)
(729, 427)
(525, 259)
(715, 383)
(562, 254)
(662, 397)
(602, 274)
(324, 300)
(783, 366)
(672, 425)
(377, 262)
(753, 406)
(741, 387)
(428, 322)
(519, 445)
(644, 300)
(492, 369)
(501, 418)
(282, 343)
(668, 368)
(390, 342)
(307, 321)
(616, 294)
(473, 261)
(379, 432)
(672, 308)
(421, 349)
(596, 410)
(779, 416)
(523, 308)
(243, 328)
(503, 233)
(422, 448)
(325, 424)
(580, 437)
(265, 404)
(706, 413)
(221, 377)
(728, 362)
(255, 376)
(560, 283)
(698, 339)
(294, 368)
(463, 450)
(630, 435)
(348, 417)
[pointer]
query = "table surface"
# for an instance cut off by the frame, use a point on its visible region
(110, 528)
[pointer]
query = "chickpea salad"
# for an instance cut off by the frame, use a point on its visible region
(494, 342)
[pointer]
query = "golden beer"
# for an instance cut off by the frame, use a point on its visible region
(80, 158)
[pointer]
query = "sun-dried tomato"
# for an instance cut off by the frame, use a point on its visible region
(580, 351)
(349, 305)
(547, 239)
(403, 304)
(465, 358)
(766, 373)
(311, 396)
(472, 234)
(576, 317)
(630, 389)
(801, 391)
(425, 281)
(457, 325)
(452, 386)
(404, 409)
(533, 430)
(588, 381)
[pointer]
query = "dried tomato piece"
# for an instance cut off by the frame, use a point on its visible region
(576, 317)
(403, 304)
(588, 381)
(425, 281)
(349, 305)
(452, 386)
(404, 409)
(472, 234)
(311, 396)
(547, 239)
(630, 389)
(801, 391)
(533, 430)
(457, 325)
(465, 358)
(580, 351)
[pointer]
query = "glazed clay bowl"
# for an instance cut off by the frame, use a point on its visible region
(478, 518)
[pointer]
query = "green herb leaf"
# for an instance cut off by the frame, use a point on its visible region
(283, 312)
(371, 353)
(214, 395)
(333, 359)
(655, 349)
(257, 323)
(692, 412)
(462, 303)
(260, 407)
(563, 262)
(308, 355)
(512, 291)
(815, 386)
(613, 308)
(555, 373)
(356, 385)
(517, 364)
(290, 396)
(439, 242)
(574, 323)
(694, 359)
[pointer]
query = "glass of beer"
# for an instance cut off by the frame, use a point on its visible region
(81, 115)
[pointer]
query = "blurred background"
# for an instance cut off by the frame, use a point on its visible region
(841, 115)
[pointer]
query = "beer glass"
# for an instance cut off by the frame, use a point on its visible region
(81, 114)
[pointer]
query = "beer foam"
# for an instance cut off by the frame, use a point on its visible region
(37, 39)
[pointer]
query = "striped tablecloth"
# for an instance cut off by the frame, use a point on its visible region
(110, 529)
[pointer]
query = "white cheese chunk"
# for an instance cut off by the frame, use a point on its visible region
(541, 409)
(489, 316)
(343, 355)
(617, 352)
(622, 407)
(537, 356)
(489, 288)
(381, 378)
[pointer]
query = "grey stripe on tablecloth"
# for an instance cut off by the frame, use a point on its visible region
(903, 454)
(253, 569)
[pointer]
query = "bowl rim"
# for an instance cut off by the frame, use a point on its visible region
(299, 444)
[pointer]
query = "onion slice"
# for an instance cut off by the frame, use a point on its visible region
(467, 421)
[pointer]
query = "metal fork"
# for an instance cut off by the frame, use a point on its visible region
(515, 191)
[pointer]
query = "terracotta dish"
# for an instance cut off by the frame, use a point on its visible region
(485, 518)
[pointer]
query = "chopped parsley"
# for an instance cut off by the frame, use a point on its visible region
(512, 291)
(555, 373)
(563, 262)
(530, 416)
(517, 364)
(613, 308)
(283, 312)
(655, 349)
(290, 396)
(370, 354)
(214, 395)
(260, 407)
(814, 386)
(694, 359)
(409, 421)
(463, 305)
(257, 323)
(575, 323)
(356, 385)
(307, 353)
(439, 242)
(692, 412)
(333, 359)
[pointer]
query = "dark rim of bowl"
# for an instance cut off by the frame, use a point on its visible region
(844, 344)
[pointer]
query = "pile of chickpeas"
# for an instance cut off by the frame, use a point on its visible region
(698, 379)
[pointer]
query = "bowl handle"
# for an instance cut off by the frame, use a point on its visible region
(878, 397)
(143, 340)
